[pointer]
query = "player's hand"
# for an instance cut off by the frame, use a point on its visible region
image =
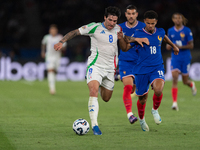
(142, 40)
(58, 46)
(120, 35)
(176, 50)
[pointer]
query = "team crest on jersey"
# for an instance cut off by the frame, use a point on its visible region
(124, 72)
(102, 32)
(160, 40)
(182, 35)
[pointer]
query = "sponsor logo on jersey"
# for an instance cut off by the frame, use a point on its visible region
(102, 32)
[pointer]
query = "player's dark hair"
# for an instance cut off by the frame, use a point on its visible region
(185, 21)
(53, 26)
(151, 15)
(112, 10)
(131, 7)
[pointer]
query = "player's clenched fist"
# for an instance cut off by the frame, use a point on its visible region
(58, 46)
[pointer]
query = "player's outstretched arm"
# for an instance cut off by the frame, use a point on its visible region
(168, 47)
(190, 45)
(142, 40)
(138, 40)
(122, 42)
(67, 37)
(168, 41)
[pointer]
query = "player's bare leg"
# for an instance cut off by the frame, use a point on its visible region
(189, 83)
(174, 90)
(51, 75)
(158, 86)
(93, 106)
(105, 93)
(133, 91)
(128, 89)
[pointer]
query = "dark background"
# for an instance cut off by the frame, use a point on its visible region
(23, 23)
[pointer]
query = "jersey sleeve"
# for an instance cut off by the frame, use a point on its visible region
(44, 40)
(89, 28)
(189, 35)
(163, 33)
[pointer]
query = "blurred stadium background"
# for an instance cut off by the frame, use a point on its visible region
(23, 24)
(32, 119)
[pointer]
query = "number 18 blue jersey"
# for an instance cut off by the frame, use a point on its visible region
(150, 57)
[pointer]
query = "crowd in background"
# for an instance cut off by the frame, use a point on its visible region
(23, 23)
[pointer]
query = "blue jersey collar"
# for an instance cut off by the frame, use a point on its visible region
(177, 30)
(148, 32)
(103, 25)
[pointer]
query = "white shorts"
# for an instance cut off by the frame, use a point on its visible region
(52, 63)
(105, 78)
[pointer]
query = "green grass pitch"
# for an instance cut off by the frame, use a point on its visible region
(32, 119)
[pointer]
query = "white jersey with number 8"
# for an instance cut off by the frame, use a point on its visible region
(104, 50)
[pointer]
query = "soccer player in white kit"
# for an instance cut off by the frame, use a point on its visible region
(102, 61)
(51, 56)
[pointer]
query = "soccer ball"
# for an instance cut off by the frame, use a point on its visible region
(81, 126)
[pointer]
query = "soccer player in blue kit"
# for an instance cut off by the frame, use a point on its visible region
(128, 59)
(149, 68)
(182, 37)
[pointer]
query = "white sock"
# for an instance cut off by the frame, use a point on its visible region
(129, 114)
(51, 80)
(93, 107)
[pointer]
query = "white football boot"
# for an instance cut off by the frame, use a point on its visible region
(156, 116)
(194, 89)
(175, 106)
(143, 124)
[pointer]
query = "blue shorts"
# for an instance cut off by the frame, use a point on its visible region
(182, 66)
(125, 68)
(143, 80)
